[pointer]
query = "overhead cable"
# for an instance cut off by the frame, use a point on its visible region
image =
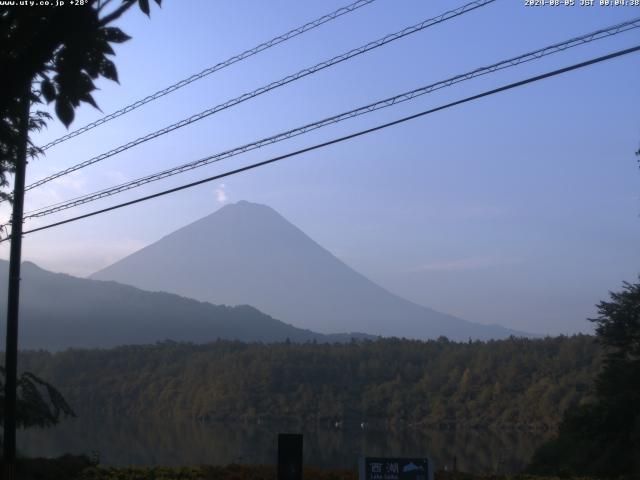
(208, 71)
(342, 139)
(271, 86)
(387, 102)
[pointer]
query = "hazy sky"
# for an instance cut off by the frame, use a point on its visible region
(519, 209)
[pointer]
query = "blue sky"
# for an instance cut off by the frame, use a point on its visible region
(519, 209)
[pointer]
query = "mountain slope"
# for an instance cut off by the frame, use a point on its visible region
(59, 311)
(249, 254)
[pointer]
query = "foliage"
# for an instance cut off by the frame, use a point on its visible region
(53, 55)
(259, 472)
(514, 383)
(39, 403)
(67, 467)
(78, 468)
(603, 436)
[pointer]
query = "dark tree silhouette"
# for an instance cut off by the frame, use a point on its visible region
(39, 403)
(603, 437)
(55, 54)
(618, 329)
(47, 54)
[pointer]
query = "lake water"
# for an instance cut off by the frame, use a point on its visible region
(123, 441)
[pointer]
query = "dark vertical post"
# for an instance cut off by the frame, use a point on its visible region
(13, 300)
(289, 456)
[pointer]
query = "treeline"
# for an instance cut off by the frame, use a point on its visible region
(514, 383)
(80, 468)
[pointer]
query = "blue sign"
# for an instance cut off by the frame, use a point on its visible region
(378, 468)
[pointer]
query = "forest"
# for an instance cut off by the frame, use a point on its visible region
(516, 383)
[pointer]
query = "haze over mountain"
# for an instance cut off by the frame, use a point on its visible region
(247, 253)
(59, 311)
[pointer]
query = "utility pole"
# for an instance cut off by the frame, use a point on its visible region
(13, 301)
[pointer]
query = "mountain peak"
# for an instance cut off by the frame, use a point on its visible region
(247, 253)
(247, 203)
(244, 204)
(243, 207)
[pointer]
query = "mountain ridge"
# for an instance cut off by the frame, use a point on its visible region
(249, 253)
(60, 311)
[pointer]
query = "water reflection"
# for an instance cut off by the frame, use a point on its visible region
(122, 441)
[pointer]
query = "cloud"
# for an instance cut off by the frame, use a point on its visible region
(116, 176)
(75, 182)
(57, 190)
(221, 193)
(468, 263)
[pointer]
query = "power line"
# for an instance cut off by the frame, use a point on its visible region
(271, 86)
(403, 97)
(219, 66)
(344, 138)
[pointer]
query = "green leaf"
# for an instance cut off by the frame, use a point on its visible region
(144, 6)
(92, 64)
(115, 35)
(89, 99)
(64, 111)
(48, 90)
(104, 47)
(108, 70)
(84, 84)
